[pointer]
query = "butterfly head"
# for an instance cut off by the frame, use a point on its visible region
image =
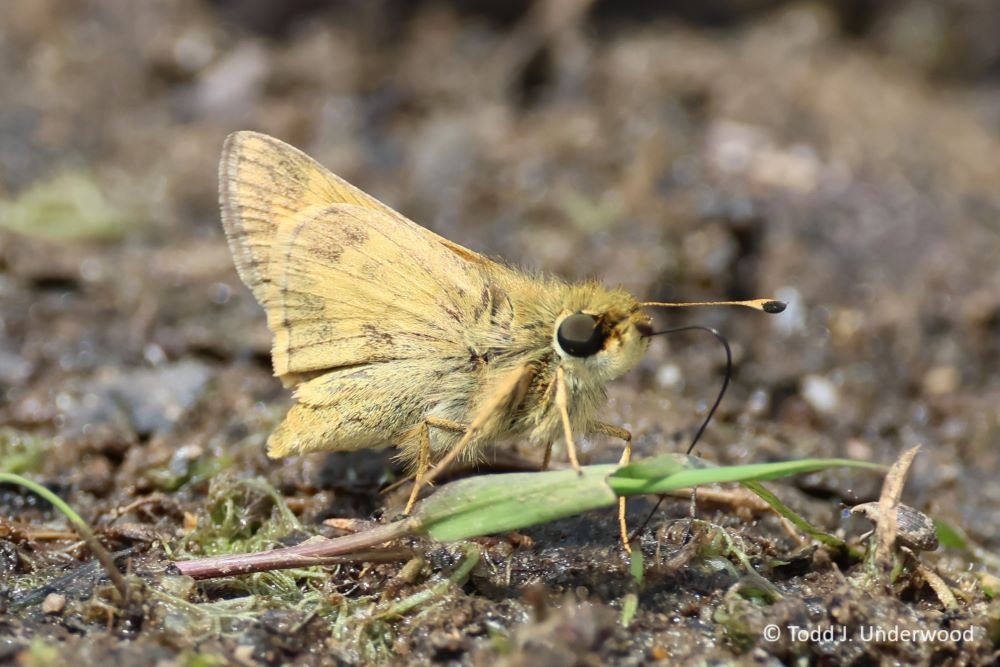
(601, 333)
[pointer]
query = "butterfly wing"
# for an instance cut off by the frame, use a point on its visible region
(264, 182)
(371, 313)
(344, 278)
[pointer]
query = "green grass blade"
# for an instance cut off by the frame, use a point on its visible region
(797, 520)
(643, 477)
(81, 526)
(496, 503)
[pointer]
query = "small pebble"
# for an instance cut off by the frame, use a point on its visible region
(669, 376)
(759, 402)
(54, 603)
(855, 448)
(243, 654)
(941, 380)
(820, 393)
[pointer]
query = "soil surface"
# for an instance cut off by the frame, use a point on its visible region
(842, 157)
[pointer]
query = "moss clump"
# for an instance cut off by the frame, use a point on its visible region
(21, 452)
(68, 206)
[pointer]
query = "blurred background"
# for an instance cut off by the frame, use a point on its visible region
(843, 156)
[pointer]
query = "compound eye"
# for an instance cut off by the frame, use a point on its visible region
(580, 336)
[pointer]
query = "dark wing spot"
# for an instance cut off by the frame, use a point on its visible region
(375, 335)
(478, 360)
(353, 235)
(330, 254)
(484, 303)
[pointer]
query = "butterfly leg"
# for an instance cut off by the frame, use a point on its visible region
(622, 434)
(548, 456)
(424, 457)
(505, 397)
(561, 405)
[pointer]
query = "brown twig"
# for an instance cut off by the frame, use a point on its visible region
(887, 526)
(314, 551)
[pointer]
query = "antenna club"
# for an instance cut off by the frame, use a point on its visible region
(773, 307)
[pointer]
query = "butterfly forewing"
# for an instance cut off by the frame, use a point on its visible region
(352, 286)
(264, 182)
